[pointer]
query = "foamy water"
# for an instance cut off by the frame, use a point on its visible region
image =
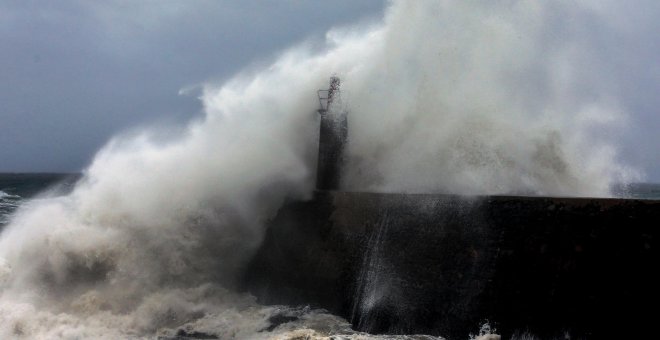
(8, 203)
(4, 195)
(447, 96)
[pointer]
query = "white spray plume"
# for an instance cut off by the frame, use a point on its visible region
(487, 102)
(471, 97)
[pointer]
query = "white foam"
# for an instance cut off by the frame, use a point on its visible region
(6, 195)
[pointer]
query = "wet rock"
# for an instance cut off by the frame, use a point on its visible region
(188, 335)
(277, 320)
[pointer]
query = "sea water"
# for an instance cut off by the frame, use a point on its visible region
(17, 187)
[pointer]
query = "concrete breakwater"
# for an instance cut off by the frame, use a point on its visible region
(443, 265)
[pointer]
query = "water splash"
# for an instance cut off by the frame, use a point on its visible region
(467, 97)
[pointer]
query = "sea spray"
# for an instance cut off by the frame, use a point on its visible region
(481, 98)
(467, 97)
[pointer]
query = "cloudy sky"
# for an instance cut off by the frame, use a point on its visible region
(74, 73)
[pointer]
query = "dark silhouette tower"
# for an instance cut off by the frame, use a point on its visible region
(332, 137)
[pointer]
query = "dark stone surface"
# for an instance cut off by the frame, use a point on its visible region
(442, 265)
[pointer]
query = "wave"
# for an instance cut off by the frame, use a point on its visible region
(447, 96)
(8, 204)
(4, 195)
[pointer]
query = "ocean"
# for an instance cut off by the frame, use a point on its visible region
(642, 191)
(16, 188)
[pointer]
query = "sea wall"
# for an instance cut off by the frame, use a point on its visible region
(443, 265)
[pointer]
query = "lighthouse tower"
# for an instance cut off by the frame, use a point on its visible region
(332, 137)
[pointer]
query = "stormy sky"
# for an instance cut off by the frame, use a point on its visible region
(74, 73)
